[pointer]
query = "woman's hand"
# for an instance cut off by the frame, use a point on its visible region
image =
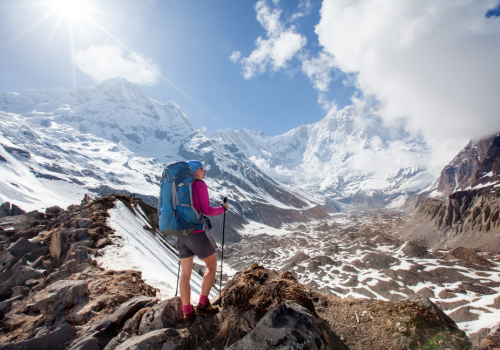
(225, 205)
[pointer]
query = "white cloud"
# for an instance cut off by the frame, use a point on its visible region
(318, 69)
(434, 63)
(235, 56)
(106, 61)
(281, 45)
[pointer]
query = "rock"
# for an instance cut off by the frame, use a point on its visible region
(378, 261)
(67, 270)
(20, 290)
(15, 211)
(33, 282)
(5, 210)
(87, 342)
(22, 247)
(426, 292)
(6, 305)
(6, 257)
(103, 242)
(55, 340)
(36, 262)
(108, 327)
(425, 303)
(166, 314)
(59, 244)
(413, 250)
(131, 326)
(118, 340)
(493, 339)
(83, 223)
(19, 278)
(464, 315)
(40, 252)
(287, 325)
(59, 296)
(53, 211)
(28, 220)
(446, 294)
(169, 338)
(79, 234)
(79, 254)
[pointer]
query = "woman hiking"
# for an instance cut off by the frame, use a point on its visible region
(198, 243)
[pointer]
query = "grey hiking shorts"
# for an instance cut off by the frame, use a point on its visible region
(195, 244)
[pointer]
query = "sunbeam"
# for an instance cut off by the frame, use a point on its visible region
(72, 53)
(52, 33)
(27, 30)
(83, 31)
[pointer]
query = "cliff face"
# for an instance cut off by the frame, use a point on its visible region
(462, 207)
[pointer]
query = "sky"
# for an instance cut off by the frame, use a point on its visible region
(272, 65)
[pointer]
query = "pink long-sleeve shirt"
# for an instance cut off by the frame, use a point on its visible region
(202, 202)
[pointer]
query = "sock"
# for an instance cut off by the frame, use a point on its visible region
(187, 309)
(203, 300)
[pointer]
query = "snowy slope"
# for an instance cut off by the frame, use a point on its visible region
(134, 248)
(56, 164)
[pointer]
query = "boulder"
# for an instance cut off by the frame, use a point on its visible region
(5, 257)
(287, 325)
(59, 244)
(5, 209)
(55, 340)
(16, 210)
(40, 252)
(19, 278)
(169, 338)
(166, 314)
(493, 339)
(28, 220)
(53, 211)
(79, 234)
(103, 242)
(109, 327)
(117, 341)
(22, 247)
(59, 296)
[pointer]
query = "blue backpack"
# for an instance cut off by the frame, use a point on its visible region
(177, 215)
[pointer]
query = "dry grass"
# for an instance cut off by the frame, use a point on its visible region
(251, 294)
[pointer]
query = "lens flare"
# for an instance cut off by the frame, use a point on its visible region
(70, 8)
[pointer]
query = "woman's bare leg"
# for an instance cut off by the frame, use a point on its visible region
(185, 278)
(209, 277)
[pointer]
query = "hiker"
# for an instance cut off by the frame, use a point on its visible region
(198, 243)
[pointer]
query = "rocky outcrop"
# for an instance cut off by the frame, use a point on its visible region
(286, 325)
(463, 206)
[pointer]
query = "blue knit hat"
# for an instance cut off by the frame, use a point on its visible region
(195, 165)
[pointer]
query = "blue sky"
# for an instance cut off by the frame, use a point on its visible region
(190, 42)
(433, 65)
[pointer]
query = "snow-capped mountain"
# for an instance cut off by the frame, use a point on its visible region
(58, 144)
(350, 156)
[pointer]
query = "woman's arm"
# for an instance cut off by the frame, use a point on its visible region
(201, 190)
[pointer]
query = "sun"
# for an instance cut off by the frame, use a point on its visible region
(70, 8)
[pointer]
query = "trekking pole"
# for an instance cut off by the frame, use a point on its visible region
(178, 272)
(222, 258)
